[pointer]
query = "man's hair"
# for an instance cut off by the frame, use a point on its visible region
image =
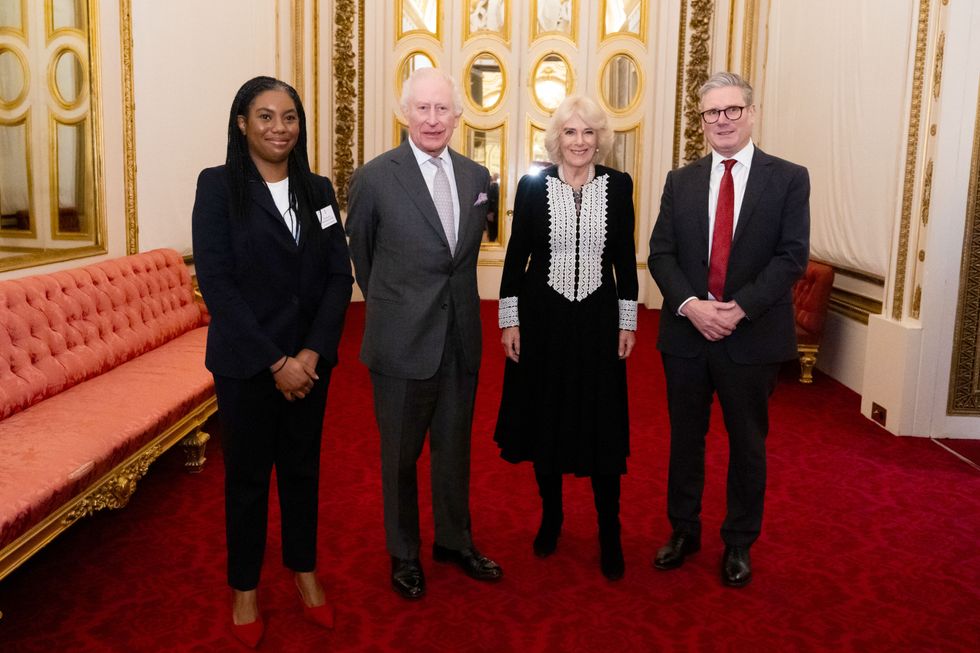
(420, 73)
(723, 80)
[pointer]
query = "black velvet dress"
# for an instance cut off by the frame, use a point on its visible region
(569, 282)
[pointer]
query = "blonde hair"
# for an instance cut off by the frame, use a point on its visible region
(591, 113)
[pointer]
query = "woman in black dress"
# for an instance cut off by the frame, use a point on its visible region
(273, 266)
(568, 320)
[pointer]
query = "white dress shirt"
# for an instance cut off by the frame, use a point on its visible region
(740, 177)
(429, 174)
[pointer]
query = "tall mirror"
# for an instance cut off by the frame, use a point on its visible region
(620, 83)
(537, 154)
(485, 77)
(553, 18)
(50, 206)
(551, 81)
(411, 63)
(486, 147)
(418, 17)
(623, 17)
(487, 18)
(623, 155)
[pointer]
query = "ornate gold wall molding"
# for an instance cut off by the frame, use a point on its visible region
(298, 48)
(360, 82)
(693, 59)
(911, 160)
(345, 118)
(315, 65)
(937, 73)
(926, 195)
(129, 126)
(749, 28)
(853, 306)
(964, 373)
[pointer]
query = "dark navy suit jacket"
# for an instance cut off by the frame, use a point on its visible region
(770, 249)
(268, 296)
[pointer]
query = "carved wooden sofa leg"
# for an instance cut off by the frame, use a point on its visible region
(811, 302)
(194, 446)
(808, 358)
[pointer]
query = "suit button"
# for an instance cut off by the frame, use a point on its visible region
(294, 300)
(445, 306)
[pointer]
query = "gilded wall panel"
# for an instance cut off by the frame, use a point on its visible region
(693, 61)
(346, 76)
(964, 381)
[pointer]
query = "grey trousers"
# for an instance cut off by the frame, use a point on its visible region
(406, 409)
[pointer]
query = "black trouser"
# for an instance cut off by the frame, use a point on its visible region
(743, 392)
(259, 429)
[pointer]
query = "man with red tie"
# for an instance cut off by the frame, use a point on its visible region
(731, 239)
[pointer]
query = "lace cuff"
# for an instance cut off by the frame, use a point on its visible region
(507, 312)
(627, 315)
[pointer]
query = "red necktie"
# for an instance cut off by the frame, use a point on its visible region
(721, 240)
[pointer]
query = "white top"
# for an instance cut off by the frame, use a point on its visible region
(429, 174)
(740, 178)
(280, 195)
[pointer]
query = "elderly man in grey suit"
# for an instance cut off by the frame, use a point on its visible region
(415, 220)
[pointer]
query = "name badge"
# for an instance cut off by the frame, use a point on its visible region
(326, 216)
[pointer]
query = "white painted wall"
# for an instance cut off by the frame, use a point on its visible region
(189, 59)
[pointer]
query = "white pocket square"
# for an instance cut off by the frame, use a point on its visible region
(480, 199)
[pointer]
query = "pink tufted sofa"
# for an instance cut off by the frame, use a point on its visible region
(101, 371)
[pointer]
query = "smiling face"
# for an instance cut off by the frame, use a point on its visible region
(727, 137)
(577, 142)
(430, 114)
(271, 130)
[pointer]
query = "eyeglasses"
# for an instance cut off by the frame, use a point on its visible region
(711, 115)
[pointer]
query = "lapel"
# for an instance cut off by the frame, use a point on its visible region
(759, 175)
(702, 172)
(407, 172)
(263, 198)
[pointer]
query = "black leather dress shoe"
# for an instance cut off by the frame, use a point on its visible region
(407, 578)
(736, 568)
(672, 554)
(472, 562)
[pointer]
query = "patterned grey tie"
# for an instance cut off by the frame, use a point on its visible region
(442, 197)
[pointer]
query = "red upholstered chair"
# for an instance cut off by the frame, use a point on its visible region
(811, 299)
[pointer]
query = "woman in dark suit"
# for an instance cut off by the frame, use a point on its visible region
(568, 316)
(272, 262)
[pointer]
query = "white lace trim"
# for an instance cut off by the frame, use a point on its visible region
(507, 312)
(627, 315)
(588, 232)
(592, 240)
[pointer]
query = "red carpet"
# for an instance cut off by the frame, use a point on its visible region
(870, 544)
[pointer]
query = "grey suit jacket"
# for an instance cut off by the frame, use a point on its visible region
(404, 267)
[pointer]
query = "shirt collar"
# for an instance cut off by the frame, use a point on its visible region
(423, 157)
(743, 156)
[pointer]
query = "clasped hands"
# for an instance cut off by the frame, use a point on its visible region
(295, 376)
(510, 337)
(715, 320)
